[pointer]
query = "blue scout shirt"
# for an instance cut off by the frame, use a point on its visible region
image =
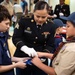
(58, 40)
(4, 53)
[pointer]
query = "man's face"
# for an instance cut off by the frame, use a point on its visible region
(40, 16)
(4, 25)
(61, 2)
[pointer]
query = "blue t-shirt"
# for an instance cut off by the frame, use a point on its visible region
(23, 5)
(5, 58)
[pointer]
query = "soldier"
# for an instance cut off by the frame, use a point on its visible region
(34, 34)
(60, 31)
(62, 9)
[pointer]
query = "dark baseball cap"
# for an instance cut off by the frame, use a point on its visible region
(71, 17)
(58, 23)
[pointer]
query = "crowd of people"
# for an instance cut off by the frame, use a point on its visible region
(46, 34)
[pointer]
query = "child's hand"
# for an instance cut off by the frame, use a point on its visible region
(20, 64)
(24, 59)
(40, 54)
(36, 61)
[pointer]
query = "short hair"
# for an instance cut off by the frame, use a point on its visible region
(40, 5)
(35, 1)
(4, 14)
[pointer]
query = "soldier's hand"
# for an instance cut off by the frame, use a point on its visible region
(61, 14)
(54, 16)
(30, 51)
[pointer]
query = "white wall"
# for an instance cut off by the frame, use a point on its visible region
(72, 5)
(53, 3)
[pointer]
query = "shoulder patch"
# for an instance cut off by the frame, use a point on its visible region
(17, 26)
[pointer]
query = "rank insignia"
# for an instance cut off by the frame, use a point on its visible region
(46, 34)
(17, 26)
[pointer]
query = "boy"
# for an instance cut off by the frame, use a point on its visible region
(6, 66)
(60, 31)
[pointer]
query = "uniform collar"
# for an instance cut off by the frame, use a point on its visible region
(39, 24)
(32, 20)
(3, 34)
